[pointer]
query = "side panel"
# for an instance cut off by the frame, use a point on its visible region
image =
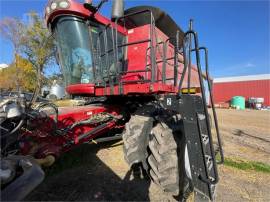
(139, 57)
(137, 53)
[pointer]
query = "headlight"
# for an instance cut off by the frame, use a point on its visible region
(56, 5)
(53, 6)
(63, 4)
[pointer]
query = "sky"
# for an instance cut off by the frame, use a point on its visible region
(237, 33)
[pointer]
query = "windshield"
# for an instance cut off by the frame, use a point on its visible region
(73, 46)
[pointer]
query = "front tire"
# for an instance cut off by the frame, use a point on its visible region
(166, 157)
(163, 158)
(136, 137)
(161, 149)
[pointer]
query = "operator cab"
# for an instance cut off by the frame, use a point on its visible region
(81, 49)
(75, 54)
(81, 42)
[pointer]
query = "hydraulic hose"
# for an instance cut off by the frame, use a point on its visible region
(53, 106)
(18, 127)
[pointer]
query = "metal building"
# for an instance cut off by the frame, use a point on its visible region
(247, 86)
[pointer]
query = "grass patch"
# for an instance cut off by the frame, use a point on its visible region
(247, 165)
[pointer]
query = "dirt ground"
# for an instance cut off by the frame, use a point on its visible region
(99, 172)
(246, 134)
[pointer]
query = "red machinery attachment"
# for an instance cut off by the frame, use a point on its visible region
(74, 126)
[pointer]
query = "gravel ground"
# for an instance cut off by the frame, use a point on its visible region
(99, 172)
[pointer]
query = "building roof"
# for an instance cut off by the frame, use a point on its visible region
(242, 78)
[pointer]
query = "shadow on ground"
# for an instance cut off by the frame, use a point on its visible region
(80, 175)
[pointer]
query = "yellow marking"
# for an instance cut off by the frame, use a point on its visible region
(191, 90)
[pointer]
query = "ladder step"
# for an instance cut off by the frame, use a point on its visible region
(198, 142)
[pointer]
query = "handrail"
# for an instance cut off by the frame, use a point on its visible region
(153, 52)
(153, 65)
(196, 44)
(212, 104)
(176, 48)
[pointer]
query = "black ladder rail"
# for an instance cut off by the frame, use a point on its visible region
(163, 55)
(176, 58)
(187, 66)
(99, 58)
(184, 70)
(151, 40)
(197, 53)
(92, 52)
(107, 52)
(212, 104)
(189, 55)
(164, 62)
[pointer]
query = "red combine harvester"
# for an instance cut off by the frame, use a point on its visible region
(137, 69)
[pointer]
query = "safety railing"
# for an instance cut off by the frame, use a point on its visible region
(112, 79)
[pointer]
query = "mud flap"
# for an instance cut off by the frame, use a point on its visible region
(202, 162)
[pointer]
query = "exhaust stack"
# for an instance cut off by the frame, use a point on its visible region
(117, 9)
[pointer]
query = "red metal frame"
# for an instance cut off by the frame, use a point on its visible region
(81, 89)
(76, 8)
(136, 57)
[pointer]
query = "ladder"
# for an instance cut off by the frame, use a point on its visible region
(196, 123)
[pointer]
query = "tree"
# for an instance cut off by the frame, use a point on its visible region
(33, 41)
(23, 72)
(37, 45)
(11, 29)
